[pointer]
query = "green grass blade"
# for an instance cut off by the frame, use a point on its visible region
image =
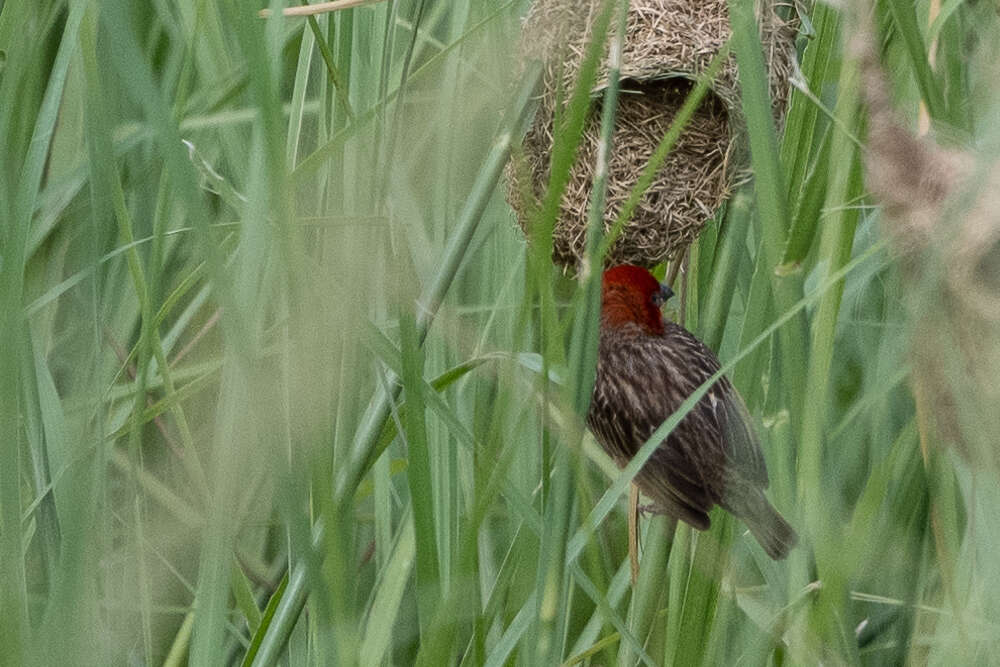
(13, 588)
(772, 209)
(428, 565)
(378, 635)
(905, 17)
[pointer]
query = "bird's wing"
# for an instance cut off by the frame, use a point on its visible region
(742, 445)
(728, 418)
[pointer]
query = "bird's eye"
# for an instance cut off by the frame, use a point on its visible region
(662, 295)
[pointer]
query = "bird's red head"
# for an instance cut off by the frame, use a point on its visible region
(630, 294)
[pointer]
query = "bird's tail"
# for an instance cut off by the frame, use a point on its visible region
(768, 526)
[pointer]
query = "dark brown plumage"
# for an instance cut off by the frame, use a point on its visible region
(646, 368)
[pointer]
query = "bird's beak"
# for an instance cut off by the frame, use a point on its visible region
(665, 292)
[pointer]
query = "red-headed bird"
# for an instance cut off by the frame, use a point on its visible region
(647, 367)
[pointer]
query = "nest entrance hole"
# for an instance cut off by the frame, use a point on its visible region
(666, 93)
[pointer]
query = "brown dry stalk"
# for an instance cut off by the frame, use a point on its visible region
(205, 328)
(633, 531)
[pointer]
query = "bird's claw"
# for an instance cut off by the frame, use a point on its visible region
(649, 509)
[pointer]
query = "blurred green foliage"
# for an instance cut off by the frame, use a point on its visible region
(280, 377)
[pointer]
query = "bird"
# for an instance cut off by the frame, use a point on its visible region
(646, 367)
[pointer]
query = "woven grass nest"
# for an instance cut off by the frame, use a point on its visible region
(668, 43)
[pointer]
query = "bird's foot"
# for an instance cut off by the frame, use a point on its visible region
(649, 509)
